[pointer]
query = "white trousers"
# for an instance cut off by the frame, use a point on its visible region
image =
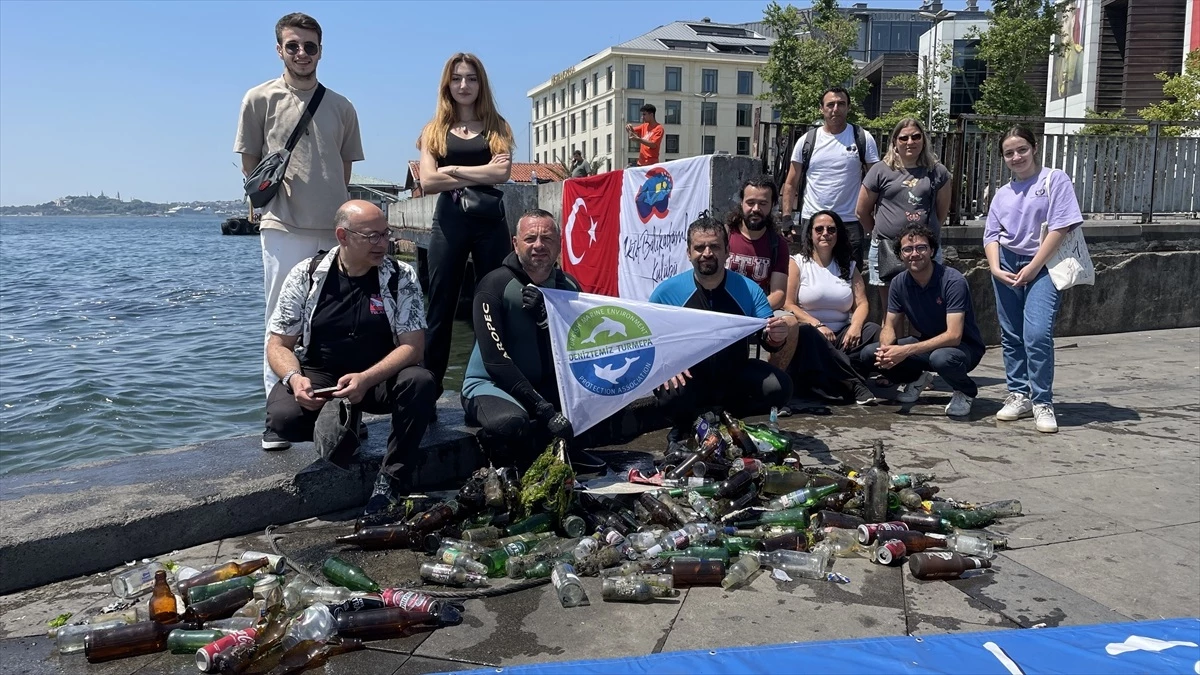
(281, 251)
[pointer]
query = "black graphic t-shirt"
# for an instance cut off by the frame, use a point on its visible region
(350, 331)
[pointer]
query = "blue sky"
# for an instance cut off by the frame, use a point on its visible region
(142, 97)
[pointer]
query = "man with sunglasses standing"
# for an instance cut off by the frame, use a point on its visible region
(827, 169)
(347, 336)
(295, 224)
(937, 302)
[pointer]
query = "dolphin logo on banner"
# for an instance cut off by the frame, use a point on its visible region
(609, 351)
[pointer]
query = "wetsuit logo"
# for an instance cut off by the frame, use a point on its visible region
(610, 350)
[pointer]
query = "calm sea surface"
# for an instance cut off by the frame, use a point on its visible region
(123, 335)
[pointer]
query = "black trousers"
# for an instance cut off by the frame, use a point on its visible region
(409, 397)
(953, 364)
(507, 434)
(752, 389)
(454, 237)
(826, 368)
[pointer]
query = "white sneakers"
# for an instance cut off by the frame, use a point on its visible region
(1017, 405)
(1043, 415)
(960, 405)
(912, 390)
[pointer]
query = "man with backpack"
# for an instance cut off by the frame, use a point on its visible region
(827, 168)
(347, 336)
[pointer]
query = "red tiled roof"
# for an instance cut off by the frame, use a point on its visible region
(521, 173)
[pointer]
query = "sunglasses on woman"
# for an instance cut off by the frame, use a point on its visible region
(910, 137)
(825, 229)
(310, 48)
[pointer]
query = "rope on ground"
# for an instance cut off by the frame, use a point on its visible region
(489, 592)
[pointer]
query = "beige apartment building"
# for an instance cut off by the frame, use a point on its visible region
(701, 76)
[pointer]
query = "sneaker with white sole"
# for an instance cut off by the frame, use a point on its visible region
(912, 390)
(1043, 414)
(273, 441)
(960, 405)
(1016, 406)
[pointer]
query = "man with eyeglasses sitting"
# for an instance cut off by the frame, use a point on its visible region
(347, 336)
(295, 224)
(937, 301)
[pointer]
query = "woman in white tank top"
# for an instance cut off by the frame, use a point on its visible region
(828, 301)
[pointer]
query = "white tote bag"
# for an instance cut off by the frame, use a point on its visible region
(1070, 265)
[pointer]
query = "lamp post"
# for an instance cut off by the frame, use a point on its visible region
(704, 96)
(937, 17)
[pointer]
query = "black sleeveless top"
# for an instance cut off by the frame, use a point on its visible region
(471, 152)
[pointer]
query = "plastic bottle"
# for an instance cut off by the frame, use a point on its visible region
(567, 584)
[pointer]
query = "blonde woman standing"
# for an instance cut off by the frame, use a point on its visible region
(465, 152)
(905, 188)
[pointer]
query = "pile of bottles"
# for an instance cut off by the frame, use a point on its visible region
(245, 616)
(732, 499)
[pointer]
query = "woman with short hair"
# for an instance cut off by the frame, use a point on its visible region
(465, 152)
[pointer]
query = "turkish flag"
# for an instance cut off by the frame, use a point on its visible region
(591, 229)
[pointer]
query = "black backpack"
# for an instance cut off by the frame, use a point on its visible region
(806, 151)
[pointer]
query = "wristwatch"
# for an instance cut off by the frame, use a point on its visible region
(288, 376)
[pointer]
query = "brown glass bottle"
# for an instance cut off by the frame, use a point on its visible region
(383, 624)
(826, 518)
(163, 608)
(221, 607)
(735, 484)
(147, 637)
(708, 447)
(687, 571)
(914, 542)
(227, 571)
(738, 434)
(659, 512)
(796, 541)
(835, 501)
(943, 565)
(381, 537)
(435, 518)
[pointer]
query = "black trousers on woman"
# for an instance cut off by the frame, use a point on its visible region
(454, 237)
(825, 368)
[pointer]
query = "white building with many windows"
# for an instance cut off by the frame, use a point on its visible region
(701, 76)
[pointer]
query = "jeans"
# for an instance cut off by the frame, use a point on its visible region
(952, 363)
(1027, 329)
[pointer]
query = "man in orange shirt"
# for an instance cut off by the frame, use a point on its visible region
(648, 134)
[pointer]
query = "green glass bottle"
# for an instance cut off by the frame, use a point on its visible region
(188, 641)
(346, 575)
(797, 516)
(804, 497)
(735, 544)
(708, 490)
(703, 552)
(767, 441)
(538, 522)
(201, 593)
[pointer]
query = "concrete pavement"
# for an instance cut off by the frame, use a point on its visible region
(1110, 533)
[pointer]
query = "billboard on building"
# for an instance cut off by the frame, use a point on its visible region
(1068, 66)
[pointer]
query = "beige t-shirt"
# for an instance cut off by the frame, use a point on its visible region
(315, 184)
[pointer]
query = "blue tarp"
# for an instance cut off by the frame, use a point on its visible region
(1169, 646)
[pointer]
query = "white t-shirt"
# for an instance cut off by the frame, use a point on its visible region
(834, 173)
(823, 294)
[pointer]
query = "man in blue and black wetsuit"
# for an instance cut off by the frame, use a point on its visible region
(730, 379)
(509, 388)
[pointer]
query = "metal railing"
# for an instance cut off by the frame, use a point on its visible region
(1142, 174)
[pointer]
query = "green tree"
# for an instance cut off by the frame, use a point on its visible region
(811, 53)
(1098, 127)
(1184, 104)
(1020, 35)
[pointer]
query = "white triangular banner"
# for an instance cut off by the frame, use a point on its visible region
(609, 351)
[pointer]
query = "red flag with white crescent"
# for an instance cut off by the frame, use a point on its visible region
(591, 226)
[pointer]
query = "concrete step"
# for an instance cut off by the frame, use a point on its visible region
(78, 520)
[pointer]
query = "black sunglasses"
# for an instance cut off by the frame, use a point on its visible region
(310, 48)
(915, 137)
(824, 229)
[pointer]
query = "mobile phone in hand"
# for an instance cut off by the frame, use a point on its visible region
(327, 392)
